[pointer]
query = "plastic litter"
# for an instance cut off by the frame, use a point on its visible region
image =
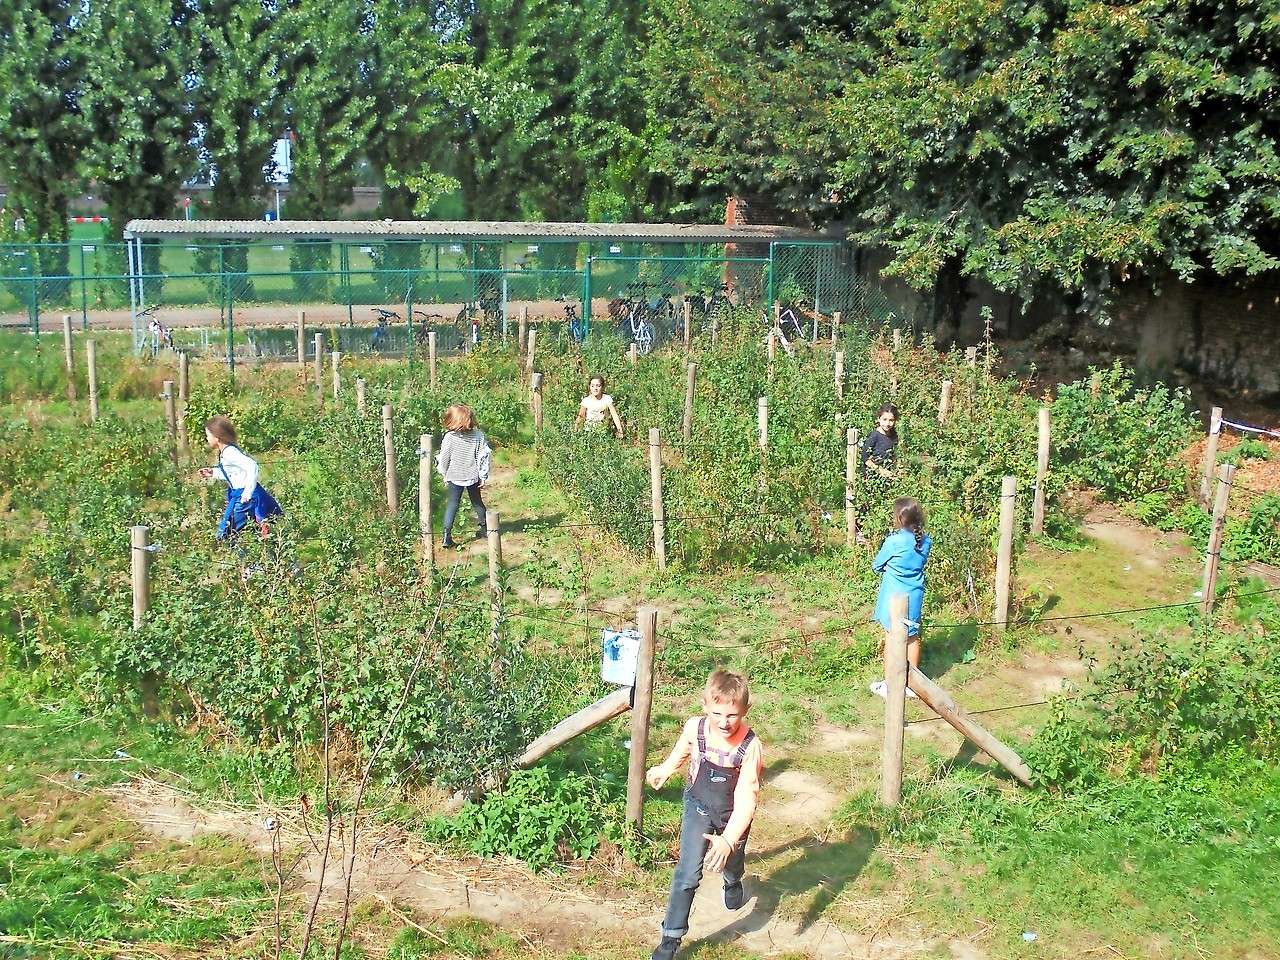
(1028, 936)
(269, 824)
(122, 755)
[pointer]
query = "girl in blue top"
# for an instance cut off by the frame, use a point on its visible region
(901, 559)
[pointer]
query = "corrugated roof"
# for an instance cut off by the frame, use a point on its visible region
(466, 229)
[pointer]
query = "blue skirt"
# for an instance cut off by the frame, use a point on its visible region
(261, 507)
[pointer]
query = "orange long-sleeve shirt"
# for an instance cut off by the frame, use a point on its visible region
(747, 792)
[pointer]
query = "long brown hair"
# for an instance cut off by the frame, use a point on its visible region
(909, 515)
(221, 429)
(459, 417)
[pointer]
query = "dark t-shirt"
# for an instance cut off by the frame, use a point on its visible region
(881, 449)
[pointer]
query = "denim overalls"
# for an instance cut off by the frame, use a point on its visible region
(708, 805)
(262, 506)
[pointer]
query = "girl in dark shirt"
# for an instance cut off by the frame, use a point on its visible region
(880, 451)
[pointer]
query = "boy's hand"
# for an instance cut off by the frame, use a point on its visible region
(717, 853)
(656, 777)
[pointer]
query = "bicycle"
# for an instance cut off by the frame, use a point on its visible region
(380, 332)
(424, 327)
(714, 309)
(160, 335)
(641, 331)
(577, 332)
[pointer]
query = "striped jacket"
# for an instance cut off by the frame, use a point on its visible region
(463, 459)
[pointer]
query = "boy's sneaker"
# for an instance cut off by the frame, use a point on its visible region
(482, 533)
(666, 950)
(734, 896)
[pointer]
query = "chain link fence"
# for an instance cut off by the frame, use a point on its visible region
(385, 297)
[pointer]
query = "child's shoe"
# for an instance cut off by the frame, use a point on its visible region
(482, 533)
(666, 950)
(734, 896)
(448, 542)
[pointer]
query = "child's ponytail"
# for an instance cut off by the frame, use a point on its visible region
(909, 515)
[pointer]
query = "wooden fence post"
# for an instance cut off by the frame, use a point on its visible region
(655, 489)
(944, 401)
(171, 419)
(431, 360)
(70, 358)
(1042, 471)
(850, 486)
(971, 356)
(528, 360)
(362, 403)
(91, 356)
(302, 340)
(535, 389)
(840, 374)
(524, 328)
(493, 524)
(762, 418)
(335, 358)
(897, 339)
(1004, 555)
(895, 699)
(687, 424)
(389, 447)
(184, 377)
(1226, 475)
(688, 325)
(319, 371)
(140, 571)
(1210, 456)
(835, 328)
(426, 443)
(641, 712)
(632, 353)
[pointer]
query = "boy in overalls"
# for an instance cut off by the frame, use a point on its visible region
(725, 761)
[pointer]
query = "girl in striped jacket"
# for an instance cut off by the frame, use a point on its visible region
(463, 462)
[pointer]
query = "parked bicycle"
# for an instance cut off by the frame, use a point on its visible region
(159, 336)
(426, 324)
(379, 339)
(714, 309)
(577, 330)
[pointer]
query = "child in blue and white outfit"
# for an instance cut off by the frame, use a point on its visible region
(901, 559)
(463, 462)
(247, 499)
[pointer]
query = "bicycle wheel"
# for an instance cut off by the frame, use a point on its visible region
(644, 337)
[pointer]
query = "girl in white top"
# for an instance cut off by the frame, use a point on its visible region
(594, 407)
(246, 498)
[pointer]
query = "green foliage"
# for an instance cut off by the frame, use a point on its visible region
(1120, 439)
(535, 818)
(1256, 535)
(1244, 451)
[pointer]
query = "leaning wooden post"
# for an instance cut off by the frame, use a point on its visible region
(655, 489)
(91, 356)
(686, 426)
(850, 486)
(1042, 471)
(431, 359)
(1226, 474)
(840, 374)
(70, 358)
(895, 699)
(688, 325)
(1210, 456)
(641, 712)
(944, 401)
(319, 371)
(140, 570)
(302, 339)
(426, 442)
(362, 402)
(389, 447)
(335, 358)
(1004, 555)
(493, 526)
(535, 389)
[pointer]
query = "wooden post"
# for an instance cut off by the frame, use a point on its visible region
(771, 349)
(940, 702)
(895, 699)
(588, 718)
(897, 339)
(170, 415)
(835, 328)
(362, 403)
(335, 358)
(389, 447)
(528, 360)
(840, 374)
(535, 388)
(302, 339)
(1095, 382)
(1210, 456)
(971, 356)
(715, 330)
(140, 569)
(944, 402)
(688, 325)
(431, 359)
(524, 328)
(184, 378)
(632, 352)
(70, 358)
(1042, 470)
(1226, 475)
(850, 486)
(687, 424)
(319, 368)
(762, 416)
(91, 355)
(655, 486)
(641, 711)
(426, 443)
(1004, 556)
(492, 524)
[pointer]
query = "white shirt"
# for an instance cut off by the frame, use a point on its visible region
(596, 409)
(241, 469)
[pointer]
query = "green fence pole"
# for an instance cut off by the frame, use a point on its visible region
(586, 295)
(344, 264)
(33, 308)
(769, 268)
(84, 291)
(408, 313)
(231, 331)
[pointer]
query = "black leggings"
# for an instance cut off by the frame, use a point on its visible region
(455, 498)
